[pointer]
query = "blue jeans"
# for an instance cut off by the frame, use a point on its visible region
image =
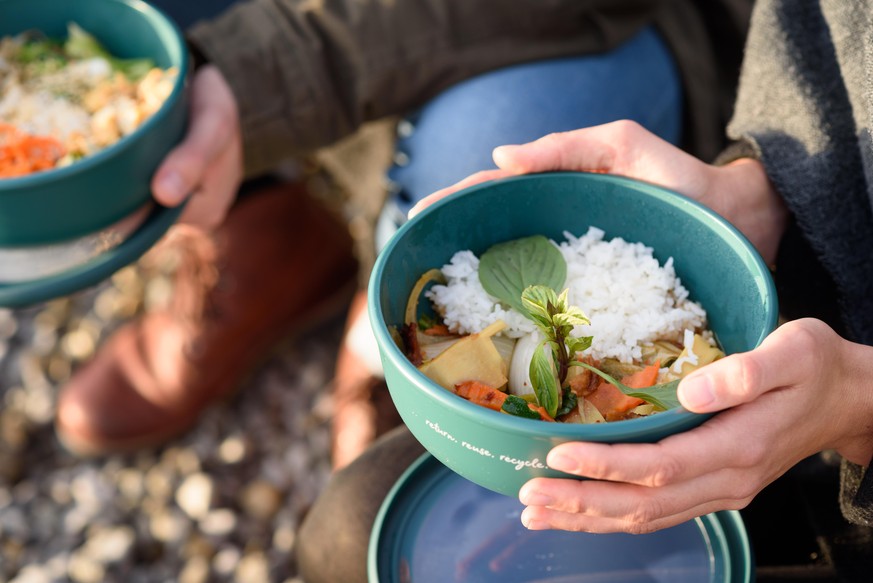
(454, 134)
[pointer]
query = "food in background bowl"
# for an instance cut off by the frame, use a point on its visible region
(503, 337)
(64, 99)
(715, 263)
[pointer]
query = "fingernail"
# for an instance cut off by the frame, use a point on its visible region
(563, 463)
(500, 152)
(172, 187)
(532, 523)
(535, 498)
(696, 392)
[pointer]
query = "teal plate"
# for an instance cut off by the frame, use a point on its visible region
(18, 294)
(437, 527)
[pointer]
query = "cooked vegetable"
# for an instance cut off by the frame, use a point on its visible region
(22, 153)
(82, 45)
(612, 403)
(696, 353)
(430, 276)
(487, 396)
(544, 371)
(662, 396)
(473, 357)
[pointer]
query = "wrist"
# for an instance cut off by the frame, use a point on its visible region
(745, 196)
(855, 400)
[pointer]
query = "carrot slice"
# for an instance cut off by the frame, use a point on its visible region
(481, 394)
(614, 404)
(487, 396)
(643, 378)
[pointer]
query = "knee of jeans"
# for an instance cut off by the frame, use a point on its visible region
(454, 134)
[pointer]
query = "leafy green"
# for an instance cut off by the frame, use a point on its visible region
(517, 406)
(39, 50)
(426, 322)
(569, 400)
(507, 269)
(82, 45)
(556, 318)
(662, 396)
(544, 382)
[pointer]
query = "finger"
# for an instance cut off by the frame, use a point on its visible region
(209, 204)
(741, 378)
(213, 126)
(572, 151)
(621, 147)
(472, 180)
(708, 448)
(641, 505)
(542, 518)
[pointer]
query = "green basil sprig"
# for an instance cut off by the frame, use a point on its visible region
(556, 318)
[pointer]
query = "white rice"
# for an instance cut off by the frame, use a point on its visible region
(629, 297)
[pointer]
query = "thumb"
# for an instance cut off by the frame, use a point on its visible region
(783, 359)
(213, 127)
(730, 381)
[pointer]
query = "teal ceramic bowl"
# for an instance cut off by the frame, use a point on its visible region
(500, 452)
(106, 188)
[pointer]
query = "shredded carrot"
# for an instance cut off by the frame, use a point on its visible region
(481, 394)
(22, 153)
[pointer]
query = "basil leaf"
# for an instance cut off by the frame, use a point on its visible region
(536, 299)
(507, 269)
(517, 406)
(579, 344)
(568, 402)
(545, 385)
(662, 396)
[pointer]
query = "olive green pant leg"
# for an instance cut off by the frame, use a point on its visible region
(332, 541)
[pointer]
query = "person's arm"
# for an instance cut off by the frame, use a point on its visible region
(305, 74)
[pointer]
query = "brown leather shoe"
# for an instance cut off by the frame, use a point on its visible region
(282, 262)
(363, 409)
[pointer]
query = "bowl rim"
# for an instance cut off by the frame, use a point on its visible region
(631, 429)
(421, 477)
(160, 20)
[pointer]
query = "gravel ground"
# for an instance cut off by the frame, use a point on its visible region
(222, 503)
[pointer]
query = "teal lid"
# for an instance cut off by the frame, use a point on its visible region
(92, 272)
(437, 527)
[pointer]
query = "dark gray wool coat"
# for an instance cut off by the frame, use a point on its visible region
(805, 109)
